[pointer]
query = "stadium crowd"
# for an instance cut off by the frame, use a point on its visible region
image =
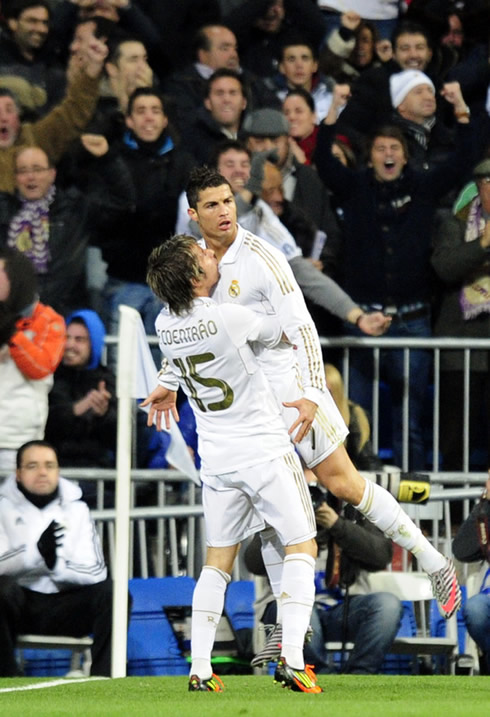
(356, 141)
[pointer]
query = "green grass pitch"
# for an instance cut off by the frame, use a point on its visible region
(251, 696)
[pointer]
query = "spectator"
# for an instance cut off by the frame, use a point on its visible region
(299, 110)
(268, 129)
(114, 16)
(27, 65)
(219, 117)
(414, 101)
(126, 69)
(54, 132)
(260, 27)
(82, 420)
(472, 544)
(388, 213)
(383, 13)
(53, 226)
(461, 259)
(159, 173)
(215, 49)
(298, 69)
(53, 579)
(352, 48)
(345, 610)
(411, 51)
(32, 338)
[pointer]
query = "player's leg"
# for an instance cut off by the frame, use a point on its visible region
(207, 607)
(230, 517)
(283, 501)
(338, 474)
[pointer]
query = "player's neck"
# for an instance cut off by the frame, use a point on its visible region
(220, 246)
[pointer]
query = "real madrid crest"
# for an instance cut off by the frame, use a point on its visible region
(234, 289)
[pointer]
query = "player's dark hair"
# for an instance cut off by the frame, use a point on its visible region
(202, 178)
(171, 268)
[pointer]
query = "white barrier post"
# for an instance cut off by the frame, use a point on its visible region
(126, 367)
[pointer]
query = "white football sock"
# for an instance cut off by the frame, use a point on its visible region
(207, 606)
(381, 508)
(273, 557)
(297, 596)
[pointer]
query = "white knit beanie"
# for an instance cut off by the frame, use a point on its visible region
(402, 82)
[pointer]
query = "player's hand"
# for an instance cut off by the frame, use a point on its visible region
(375, 323)
(162, 402)
(307, 410)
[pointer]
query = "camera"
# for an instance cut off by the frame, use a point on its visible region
(406, 487)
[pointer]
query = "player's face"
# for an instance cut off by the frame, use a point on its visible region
(39, 471)
(216, 215)
(78, 346)
(209, 265)
(387, 158)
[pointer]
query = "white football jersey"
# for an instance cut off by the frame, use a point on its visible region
(254, 274)
(239, 421)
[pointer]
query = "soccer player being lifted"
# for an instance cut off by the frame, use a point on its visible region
(254, 274)
(247, 457)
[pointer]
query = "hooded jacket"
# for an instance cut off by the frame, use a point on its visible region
(89, 439)
(79, 558)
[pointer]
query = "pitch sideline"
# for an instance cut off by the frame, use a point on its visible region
(54, 683)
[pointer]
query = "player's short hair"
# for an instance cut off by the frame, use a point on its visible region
(202, 178)
(30, 444)
(171, 268)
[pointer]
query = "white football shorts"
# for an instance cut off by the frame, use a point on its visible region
(239, 504)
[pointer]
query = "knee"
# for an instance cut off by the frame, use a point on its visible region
(476, 611)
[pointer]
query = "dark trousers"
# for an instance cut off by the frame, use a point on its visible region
(83, 610)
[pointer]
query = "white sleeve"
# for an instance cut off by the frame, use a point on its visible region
(276, 279)
(245, 326)
(80, 559)
(166, 377)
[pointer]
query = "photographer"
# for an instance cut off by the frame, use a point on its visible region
(472, 544)
(345, 610)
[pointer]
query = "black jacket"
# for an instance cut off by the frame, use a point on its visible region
(86, 440)
(159, 173)
(75, 218)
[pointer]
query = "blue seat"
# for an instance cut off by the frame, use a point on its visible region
(152, 646)
(239, 604)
